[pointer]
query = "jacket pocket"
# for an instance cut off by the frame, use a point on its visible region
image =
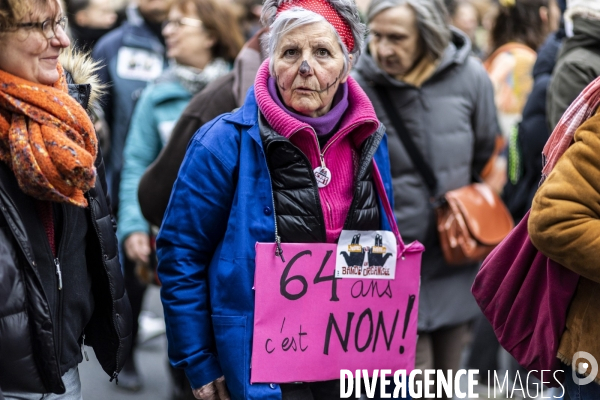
(233, 352)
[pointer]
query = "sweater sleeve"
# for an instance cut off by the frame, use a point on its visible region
(141, 148)
(564, 223)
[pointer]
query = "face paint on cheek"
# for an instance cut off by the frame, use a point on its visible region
(329, 86)
(332, 84)
(281, 87)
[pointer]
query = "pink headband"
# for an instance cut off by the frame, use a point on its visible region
(324, 8)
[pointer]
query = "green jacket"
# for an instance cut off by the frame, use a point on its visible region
(155, 115)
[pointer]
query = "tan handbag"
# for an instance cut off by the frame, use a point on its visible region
(471, 221)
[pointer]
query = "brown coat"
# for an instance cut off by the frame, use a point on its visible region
(564, 224)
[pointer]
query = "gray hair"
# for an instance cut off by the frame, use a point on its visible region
(295, 17)
(432, 21)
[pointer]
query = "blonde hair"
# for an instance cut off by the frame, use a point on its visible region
(14, 11)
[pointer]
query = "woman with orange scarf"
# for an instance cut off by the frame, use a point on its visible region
(59, 268)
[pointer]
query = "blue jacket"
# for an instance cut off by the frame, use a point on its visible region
(154, 117)
(131, 56)
(221, 205)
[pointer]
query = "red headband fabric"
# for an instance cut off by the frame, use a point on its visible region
(324, 8)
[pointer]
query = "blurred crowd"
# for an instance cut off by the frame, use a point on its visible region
(172, 65)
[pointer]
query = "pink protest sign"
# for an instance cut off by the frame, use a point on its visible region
(308, 324)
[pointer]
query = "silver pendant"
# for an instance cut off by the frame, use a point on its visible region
(323, 176)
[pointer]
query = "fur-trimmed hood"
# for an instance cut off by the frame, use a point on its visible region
(83, 70)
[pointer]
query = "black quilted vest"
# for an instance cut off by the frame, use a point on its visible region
(298, 209)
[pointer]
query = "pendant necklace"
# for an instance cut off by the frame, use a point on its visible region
(322, 173)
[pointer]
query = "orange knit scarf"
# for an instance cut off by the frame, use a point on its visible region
(47, 139)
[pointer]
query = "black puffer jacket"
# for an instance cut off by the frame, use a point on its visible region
(37, 342)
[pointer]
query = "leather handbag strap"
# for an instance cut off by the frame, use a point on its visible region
(411, 148)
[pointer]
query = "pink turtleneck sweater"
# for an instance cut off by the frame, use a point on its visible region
(341, 152)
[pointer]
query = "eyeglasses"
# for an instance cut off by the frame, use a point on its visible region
(48, 27)
(177, 23)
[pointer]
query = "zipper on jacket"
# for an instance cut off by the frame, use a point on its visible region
(83, 348)
(329, 210)
(322, 157)
(115, 375)
(59, 252)
(58, 273)
(278, 249)
(59, 308)
(321, 153)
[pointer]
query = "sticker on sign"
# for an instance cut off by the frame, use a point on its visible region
(366, 255)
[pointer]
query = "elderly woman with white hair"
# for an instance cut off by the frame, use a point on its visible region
(441, 99)
(294, 164)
